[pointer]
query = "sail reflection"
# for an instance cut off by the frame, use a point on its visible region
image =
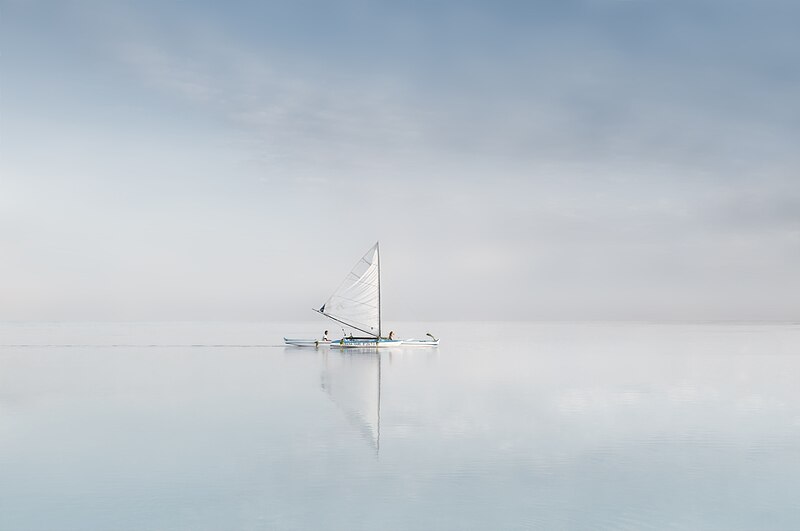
(352, 381)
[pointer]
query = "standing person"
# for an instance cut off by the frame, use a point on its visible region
(391, 335)
(325, 336)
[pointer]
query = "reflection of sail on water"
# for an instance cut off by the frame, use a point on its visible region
(353, 383)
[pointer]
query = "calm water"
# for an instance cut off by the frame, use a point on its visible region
(557, 426)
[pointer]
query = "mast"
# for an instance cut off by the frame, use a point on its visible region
(378, 250)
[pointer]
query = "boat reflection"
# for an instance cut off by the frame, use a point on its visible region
(352, 380)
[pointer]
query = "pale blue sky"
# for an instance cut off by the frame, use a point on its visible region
(596, 159)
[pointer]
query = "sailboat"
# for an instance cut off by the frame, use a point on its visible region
(356, 303)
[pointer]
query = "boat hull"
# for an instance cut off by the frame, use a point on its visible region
(420, 342)
(361, 343)
(314, 343)
(366, 343)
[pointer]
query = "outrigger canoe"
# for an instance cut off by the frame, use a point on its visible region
(361, 342)
(357, 305)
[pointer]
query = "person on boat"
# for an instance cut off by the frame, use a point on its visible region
(325, 336)
(391, 335)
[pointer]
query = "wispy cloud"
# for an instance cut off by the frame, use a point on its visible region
(575, 92)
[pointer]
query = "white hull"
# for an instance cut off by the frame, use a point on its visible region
(361, 343)
(306, 342)
(420, 342)
(366, 343)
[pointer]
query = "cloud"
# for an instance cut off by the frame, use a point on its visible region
(604, 85)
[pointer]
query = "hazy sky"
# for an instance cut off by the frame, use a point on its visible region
(595, 159)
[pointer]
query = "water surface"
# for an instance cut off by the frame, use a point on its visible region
(195, 426)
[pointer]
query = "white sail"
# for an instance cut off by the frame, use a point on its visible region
(357, 302)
